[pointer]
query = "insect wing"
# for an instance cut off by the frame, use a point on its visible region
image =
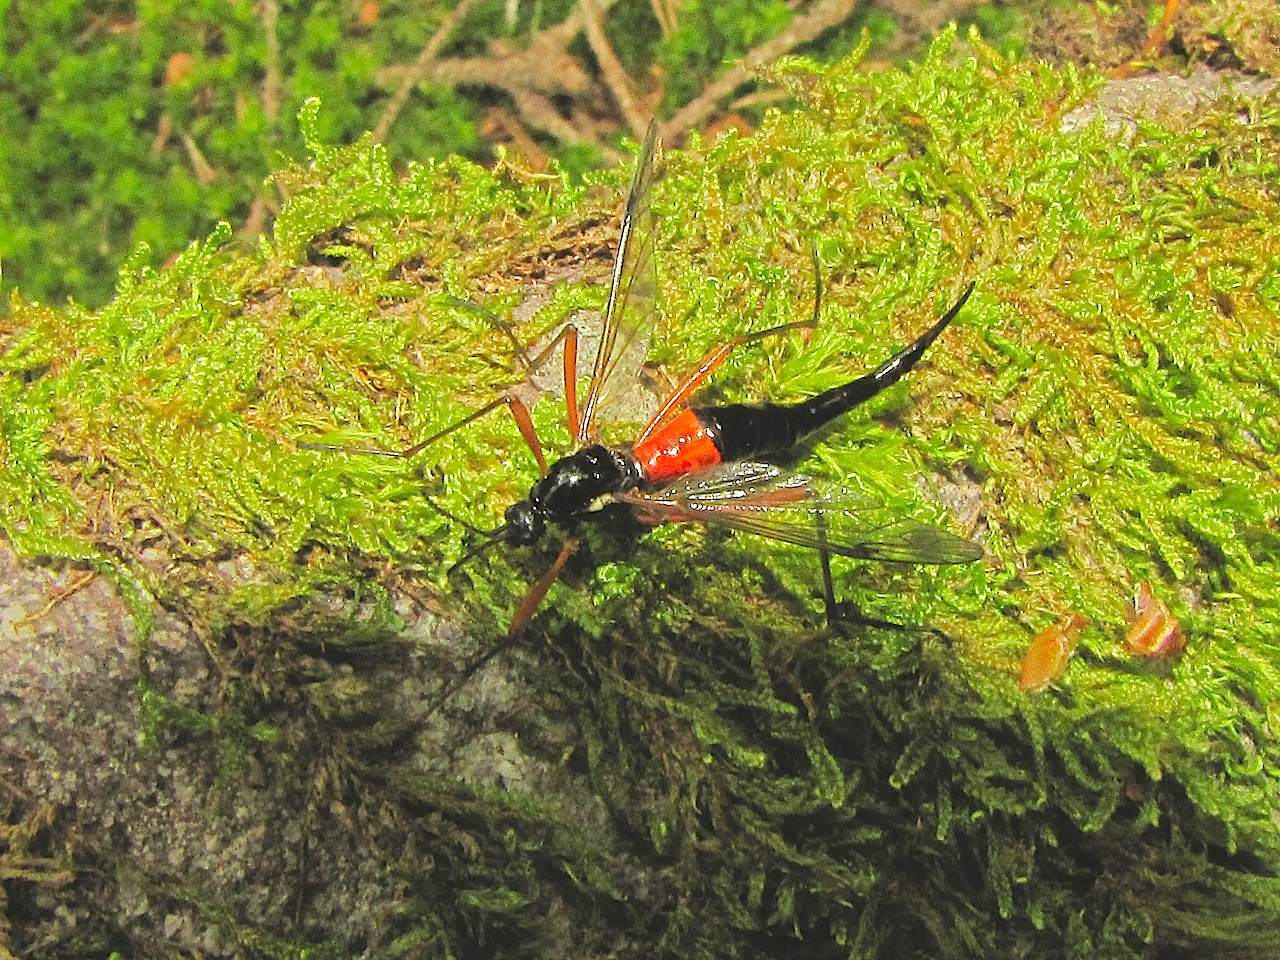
(732, 482)
(762, 499)
(632, 293)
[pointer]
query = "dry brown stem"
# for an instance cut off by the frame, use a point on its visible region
(164, 132)
(615, 77)
(666, 12)
(272, 84)
(529, 76)
(56, 598)
(255, 220)
(205, 174)
(420, 68)
(501, 124)
(824, 15)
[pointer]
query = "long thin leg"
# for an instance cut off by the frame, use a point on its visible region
(519, 350)
(538, 592)
(469, 671)
(845, 614)
(712, 361)
(824, 559)
(524, 613)
(568, 336)
(519, 413)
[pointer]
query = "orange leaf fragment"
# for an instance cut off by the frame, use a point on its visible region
(178, 68)
(1049, 653)
(1153, 630)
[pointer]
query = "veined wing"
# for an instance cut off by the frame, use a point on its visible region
(763, 499)
(632, 293)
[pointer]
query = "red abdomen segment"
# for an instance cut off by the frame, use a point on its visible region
(683, 445)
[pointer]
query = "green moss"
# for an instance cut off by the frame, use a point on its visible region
(1110, 391)
(93, 161)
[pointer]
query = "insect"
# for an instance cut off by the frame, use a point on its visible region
(693, 463)
(1153, 630)
(1048, 654)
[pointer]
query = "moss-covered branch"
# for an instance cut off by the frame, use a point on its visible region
(702, 768)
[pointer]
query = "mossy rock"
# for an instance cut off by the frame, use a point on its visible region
(679, 757)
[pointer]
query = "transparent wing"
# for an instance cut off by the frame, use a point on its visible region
(763, 499)
(630, 309)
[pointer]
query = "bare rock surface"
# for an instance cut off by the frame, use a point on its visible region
(1167, 98)
(197, 842)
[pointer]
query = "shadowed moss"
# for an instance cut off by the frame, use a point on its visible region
(1109, 397)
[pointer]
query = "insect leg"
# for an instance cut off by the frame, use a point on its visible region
(538, 592)
(844, 614)
(568, 336)
(712, 361)
(824, 559)
(524, 613)
(468, 671)
(709, 364)
(519, 412)
(848, 615)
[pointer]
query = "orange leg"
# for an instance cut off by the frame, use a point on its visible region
(712, 361)
(538, 592)
(709, 364)
(524, 613)
(1155, 43)
(570, 335)
(519, 412)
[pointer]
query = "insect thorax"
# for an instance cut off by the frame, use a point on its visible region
(575, 483)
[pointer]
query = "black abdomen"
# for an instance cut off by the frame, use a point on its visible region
(741, 431)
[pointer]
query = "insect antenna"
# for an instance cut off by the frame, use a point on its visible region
(340, 448)
(493, 538)
(470, 527)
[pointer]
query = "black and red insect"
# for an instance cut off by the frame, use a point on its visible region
(694, 463)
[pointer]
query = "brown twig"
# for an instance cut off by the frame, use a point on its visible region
(664, 11)
(1156, 40)
(824, 15)
(256, 219)
(205, 174)
(499, 121)
(272, 95)
(760, 98)
(272, 85)
(418, 70)
(164, 132)
(540, 113)
(529, 76)
(561, 35)
(56, 598)
(545, 70)
(615, 77)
